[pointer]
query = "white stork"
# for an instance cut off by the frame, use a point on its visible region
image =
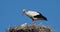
(34, 15)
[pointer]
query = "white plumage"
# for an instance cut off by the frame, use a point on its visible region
(34, 15)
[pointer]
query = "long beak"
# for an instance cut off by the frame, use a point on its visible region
(22, 13)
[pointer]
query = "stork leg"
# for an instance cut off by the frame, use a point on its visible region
(33, 22)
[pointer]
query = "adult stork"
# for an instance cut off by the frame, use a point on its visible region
(34, 15)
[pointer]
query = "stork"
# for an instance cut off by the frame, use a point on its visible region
(34, 15)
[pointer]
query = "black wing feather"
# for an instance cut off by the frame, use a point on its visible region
(40, 16)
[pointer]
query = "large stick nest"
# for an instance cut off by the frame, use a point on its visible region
(29, 28)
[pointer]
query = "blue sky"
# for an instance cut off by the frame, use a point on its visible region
(11, 13)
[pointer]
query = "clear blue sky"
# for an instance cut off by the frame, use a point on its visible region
(11, 12)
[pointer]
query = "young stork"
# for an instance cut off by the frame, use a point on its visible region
(34, 15)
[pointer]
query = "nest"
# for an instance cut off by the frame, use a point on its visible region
(29, 28)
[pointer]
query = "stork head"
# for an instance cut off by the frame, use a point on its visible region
(24, 10)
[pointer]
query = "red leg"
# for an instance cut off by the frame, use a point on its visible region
(33, 22)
